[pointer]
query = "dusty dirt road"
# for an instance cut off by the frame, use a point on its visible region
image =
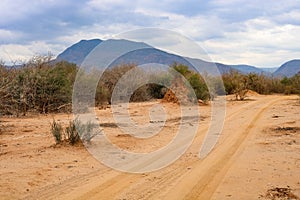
(256, 157)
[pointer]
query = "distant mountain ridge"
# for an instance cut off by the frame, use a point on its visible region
(288, 69)
(270, 69)
(145, 53)
(248, 69)
(77, 52)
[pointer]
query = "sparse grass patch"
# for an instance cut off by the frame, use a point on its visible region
(88, 132)
(74, 133)
(57, 131)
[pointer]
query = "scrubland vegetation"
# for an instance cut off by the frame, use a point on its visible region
(42, 86)
(37, 86)
(75, 132)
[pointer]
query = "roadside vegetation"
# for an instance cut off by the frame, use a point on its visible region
(75, 132)
(43, 86)
(37, 86)
(238, 84)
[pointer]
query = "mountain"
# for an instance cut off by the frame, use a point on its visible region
(270, 70)
(246, 69)
(77, 52)
(141, 53)
(288, 69)
(150, 55)
(131, 52)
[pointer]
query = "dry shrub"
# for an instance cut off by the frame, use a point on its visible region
(281, 194)
(57, 131)
(74, 133)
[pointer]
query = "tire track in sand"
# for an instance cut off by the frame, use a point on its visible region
(121, 182)
(111, 184)
(207, 174)
(158, 188)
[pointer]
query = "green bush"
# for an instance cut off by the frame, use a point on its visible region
(72, 132)
(291, 85)
(199, 86)
(195, 80)
(57, 131)
(38, 86)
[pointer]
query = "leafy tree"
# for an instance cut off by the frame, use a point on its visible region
(291, 85)
(108, 81)
(39, 85)
(53, 89)
(195, 80)
(199, 86)
(237, 84)
(6, 77)
(182, 69)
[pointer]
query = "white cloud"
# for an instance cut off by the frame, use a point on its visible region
(292, 17)
(14, 53)
(261, 43)
(7, 36)
(11, 11)
(233, 31)
(109, 4)
(198, 27)
(19, 54)
(96, 31)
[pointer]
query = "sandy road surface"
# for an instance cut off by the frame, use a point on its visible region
(259, 149)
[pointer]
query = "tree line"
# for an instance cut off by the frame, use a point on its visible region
(42, 86)
(37, 86)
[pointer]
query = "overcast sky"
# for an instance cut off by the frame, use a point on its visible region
(264, 33)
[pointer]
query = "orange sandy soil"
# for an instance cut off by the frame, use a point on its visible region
(259, 150)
